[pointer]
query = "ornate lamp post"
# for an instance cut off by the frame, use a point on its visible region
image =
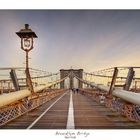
(27, 36)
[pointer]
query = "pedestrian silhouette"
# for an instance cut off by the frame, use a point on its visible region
(77, 90)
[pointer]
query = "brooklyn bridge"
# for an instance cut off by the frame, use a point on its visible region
(70, 98)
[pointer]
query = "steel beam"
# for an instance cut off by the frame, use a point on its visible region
(128, 96)
(113, 81)
(6, 99)
(129, 79)
(14, 79)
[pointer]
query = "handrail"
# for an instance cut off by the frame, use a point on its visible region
(12, 97)
(128, 96)
(35, 77)
(109, 76)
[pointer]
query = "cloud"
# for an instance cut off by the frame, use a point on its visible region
(83, 39)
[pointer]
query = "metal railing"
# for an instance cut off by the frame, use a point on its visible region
(123, 100)
(11, 112)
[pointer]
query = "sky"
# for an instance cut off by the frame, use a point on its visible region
(87, 39)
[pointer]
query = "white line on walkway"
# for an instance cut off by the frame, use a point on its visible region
(32, 124)
(70, 120)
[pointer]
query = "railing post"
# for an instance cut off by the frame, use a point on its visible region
(14, 79)
(129, 78)
(113, 81)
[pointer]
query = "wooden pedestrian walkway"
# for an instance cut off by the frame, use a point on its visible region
(87, 114)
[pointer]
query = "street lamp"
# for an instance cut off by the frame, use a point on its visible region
(27, 36)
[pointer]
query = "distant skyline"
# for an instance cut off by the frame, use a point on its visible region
(88, 39)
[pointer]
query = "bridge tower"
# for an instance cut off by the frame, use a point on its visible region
(71, 73)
